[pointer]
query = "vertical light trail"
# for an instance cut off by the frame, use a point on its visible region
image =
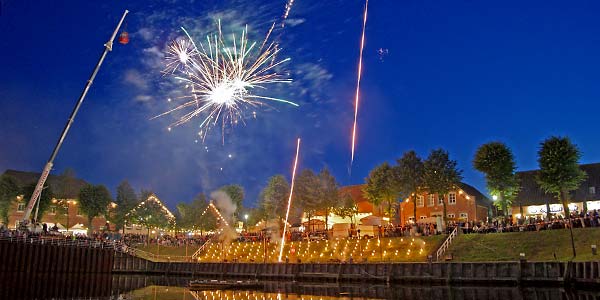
(362, 45)
(287, 213)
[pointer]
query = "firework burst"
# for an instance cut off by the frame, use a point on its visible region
(221, 78)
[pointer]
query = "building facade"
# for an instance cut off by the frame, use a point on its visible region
(533, 202)
(465, 203)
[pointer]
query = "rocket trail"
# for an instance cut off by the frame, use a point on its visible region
(356, 98)
(287, 213)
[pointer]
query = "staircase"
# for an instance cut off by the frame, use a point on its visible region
(197, 253)
(442, 249)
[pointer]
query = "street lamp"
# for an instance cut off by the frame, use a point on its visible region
(64, 203)
(69, 202)
(494, 197)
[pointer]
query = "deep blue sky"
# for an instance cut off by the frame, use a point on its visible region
(457, 74)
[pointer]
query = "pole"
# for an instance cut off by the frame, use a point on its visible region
(49, 164)
(68, 216)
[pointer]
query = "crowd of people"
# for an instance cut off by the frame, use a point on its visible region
(576, 220)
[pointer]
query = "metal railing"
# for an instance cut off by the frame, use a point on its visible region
(40, 240)
(197, 253)
(440, 252)
(114, 245)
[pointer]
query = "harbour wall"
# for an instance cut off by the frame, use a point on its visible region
(510, 272)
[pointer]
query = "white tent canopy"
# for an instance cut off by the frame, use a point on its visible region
(372, 220)
(78, 229)
(61, 227)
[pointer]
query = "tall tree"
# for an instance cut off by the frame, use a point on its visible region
(9, 190)
(126, 201)
(67, 186)
(274, 197)
(328, 192)
(94, 201)
(440, 175)
(195, 215)
(254, 216)
(382, 187)
(151, 214)
(347, 207)
(236, 193)
(144, 195)
(497, 162)
(307, 193)
(559, 174)
(45, 200)
(410, 177)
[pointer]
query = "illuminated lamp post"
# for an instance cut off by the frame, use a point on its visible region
(495, 198)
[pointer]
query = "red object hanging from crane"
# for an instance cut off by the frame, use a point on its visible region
(124, 38)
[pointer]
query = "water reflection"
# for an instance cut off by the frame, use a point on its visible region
(62, 286)
(278, 291)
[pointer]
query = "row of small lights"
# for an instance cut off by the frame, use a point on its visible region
(250, 295)
(254, 250)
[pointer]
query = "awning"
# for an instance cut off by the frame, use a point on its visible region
(78, 229)
(372, 220)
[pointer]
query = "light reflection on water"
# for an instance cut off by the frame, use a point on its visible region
(133, 287)
(331, 291)
(164, 292)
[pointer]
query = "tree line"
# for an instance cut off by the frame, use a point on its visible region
(125, 209)
(559, 174)
(314, 194)
(319, 193)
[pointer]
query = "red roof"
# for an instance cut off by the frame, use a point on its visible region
(356, 192)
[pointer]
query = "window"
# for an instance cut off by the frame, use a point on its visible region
(452, 198)
(423, 217)
(450, 215)
(464, 215)
(21, 206)
(431, 200)
(411, 219)
(592, 190)
(420, 201)
(441, 200)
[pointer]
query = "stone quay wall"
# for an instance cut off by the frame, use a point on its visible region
(511, 272)
(44, 257)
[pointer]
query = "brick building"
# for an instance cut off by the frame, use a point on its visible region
(55, 213)
(465, 203)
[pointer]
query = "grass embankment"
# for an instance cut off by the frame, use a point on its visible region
(373, 250)
(537, 246)
(387, 249)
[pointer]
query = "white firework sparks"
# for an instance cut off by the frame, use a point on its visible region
(221, 78)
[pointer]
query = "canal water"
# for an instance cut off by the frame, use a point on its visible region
(26, 286)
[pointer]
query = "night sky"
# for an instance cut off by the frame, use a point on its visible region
(456, 74)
